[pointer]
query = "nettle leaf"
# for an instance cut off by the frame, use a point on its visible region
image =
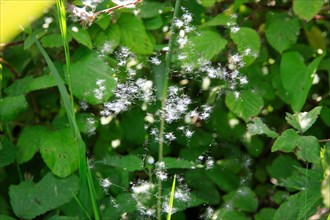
(265, 213)
(304, 120)
(308, 149)
(134, 35)
(129, 162)
(281, 30)
(176, 163)
(248, 43)
(59, 151)
(30, 200)
(243, 198)
(307, 9)
(19, 87)
(91, 78)
(296, 78)
(8, 152)
(81, 36)
(287, 141)
(224, 178)
(282, 167)
(52, 40)
(12, 107)
(205, 45)
(247, 105)
(289, 209)
(259, 127)
(29, 142)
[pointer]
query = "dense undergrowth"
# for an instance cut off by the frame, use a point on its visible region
(186, 109)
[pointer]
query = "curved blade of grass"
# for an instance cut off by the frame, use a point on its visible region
(170, 205)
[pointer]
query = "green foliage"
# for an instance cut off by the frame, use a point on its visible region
(30, 200)
(225, 96)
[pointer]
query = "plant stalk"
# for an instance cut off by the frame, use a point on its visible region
(168, 59)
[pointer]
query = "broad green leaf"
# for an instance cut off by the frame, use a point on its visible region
(247, 105)
(154, 23)
(151, 9)
(6, 217)
(129, 162)
(29, 142)
(248, 43)
(42, 82)
(302, 177)
(221, 19)
(286, 142)
(224, 178)
(19, 87)
(207, 3)
(265, 213)
(103, 20)
(176, 163)
(81, 35)
(307, 9)
(230, 214)
(107, 41)
(92, 79)
(52, 40)
(59, 151)
(289, 209)
(259, 127)
(206, 45)
(243, 198)
(308, 149)
(8, 152)
(30, 200)
(134, 35)
(87, 123)
(282, 167)
(304, 120)
(281, 30)
(296, 78)
(316, 38)
(58, 217)
(11, 107)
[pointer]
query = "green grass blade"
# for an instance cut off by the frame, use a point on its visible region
(170, 205)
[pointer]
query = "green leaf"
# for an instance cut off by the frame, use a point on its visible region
(19, 87)
(224, 178)
(29, 142)
(80, 35)
(316, 38)
(8, 152)
(259, 127)
(247, 105)
(92, 79)
(308, 149)
(304, 120)
(52, 40)
(307, 9)
(206, 45)
(286, 142)
(12, 107)
(325, 115)
(129, 162)
(6, 217)
(134, 35)
(154, 23)
(107, 41)
(207, 3)
(289, 209)
(265, 213)
(296, 78)
(42, 82)
(281, 30)
(87, 123)
(243, 198)
(248, 43)
(30, 200)
(151, 9)
(221, 19)
(225, 213)
(177, 163)
(282, 167)
(59, 151)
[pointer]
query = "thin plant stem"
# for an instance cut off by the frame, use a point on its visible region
(168, 59)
